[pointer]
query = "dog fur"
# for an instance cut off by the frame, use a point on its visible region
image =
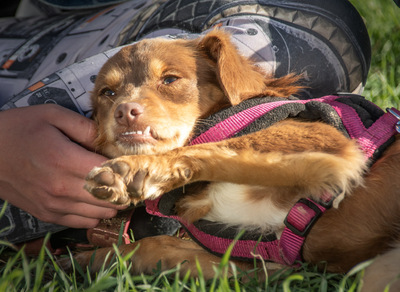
(147, 100)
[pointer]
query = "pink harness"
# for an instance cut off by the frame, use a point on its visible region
(302, 216)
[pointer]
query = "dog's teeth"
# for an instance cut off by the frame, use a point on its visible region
(147, 131)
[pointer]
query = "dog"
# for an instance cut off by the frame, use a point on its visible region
(148, 100)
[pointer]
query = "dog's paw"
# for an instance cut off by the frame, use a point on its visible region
(136, 178)
(108, 183)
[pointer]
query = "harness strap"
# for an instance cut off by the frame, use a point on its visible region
(243, 249)
(369, 139)
(286, 250)
(376, 135)
(230, 126)
(301, 217)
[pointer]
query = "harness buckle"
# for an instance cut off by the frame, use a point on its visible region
(293, 214)
(395, 113)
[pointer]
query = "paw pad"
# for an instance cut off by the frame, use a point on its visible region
(104, 178)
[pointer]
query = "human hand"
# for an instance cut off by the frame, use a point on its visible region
(43, 168)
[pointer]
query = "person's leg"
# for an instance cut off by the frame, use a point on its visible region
(18, 226)
(326, 41)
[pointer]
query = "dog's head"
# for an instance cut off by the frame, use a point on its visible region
(148, 97)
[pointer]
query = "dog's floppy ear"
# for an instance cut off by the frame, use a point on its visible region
(239, 78)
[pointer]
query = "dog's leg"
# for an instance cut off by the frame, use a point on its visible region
(335, 164)
(150, 253)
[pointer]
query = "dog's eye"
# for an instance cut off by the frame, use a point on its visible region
(107, 92)
(169, 79)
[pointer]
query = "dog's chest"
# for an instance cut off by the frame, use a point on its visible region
(237, 205)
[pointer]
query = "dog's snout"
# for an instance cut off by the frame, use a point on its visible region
(127, 113)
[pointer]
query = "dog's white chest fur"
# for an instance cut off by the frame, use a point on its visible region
(232, 205)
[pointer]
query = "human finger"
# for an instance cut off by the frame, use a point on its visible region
(78, 128)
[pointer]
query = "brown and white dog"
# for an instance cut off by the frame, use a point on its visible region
(147, 100)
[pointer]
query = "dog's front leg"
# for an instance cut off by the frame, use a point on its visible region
(135, 178)
(331, 163)
(138, 177)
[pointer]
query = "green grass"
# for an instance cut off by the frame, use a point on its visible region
(20, 273)
(383, 24)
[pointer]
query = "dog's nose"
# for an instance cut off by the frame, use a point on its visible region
(126, 113)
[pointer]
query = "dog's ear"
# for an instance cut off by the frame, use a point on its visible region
(239, 78)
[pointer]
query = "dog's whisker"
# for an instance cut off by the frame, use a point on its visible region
(111, 100)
